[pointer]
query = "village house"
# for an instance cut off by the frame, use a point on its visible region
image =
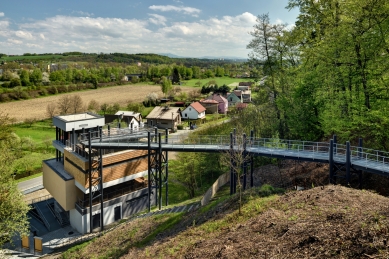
(164, 117)
(244, 85)
(211, 106)
(233, 98)
(243, 95)
(194, 111)
(133, 120)
(222, 102)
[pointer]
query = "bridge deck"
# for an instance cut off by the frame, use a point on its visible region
(373, 161)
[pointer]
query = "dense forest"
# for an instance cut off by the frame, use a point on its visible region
(326, 75)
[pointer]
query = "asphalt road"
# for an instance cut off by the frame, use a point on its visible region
(29, 184)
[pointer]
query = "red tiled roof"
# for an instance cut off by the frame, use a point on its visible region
(208, 101)
(198, 107)
(241, 105)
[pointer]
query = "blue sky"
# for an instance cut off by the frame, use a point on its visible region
(185, 28)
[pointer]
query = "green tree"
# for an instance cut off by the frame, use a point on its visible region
(185, 172)
(24, 77)
(166, 85)
(36, 76)
(93, 80)
(176, 76)
(13, 210)
(15, 82)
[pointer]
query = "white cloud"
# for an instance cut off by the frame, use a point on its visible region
(24, 35)
(1, 14)
(157, 19)
(227, 35)
(86, 14)
(13, 41)
(168, 8)
(4, 25)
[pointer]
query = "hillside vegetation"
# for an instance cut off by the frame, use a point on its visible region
(327, 221)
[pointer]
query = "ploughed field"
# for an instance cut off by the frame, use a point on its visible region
(123, 94)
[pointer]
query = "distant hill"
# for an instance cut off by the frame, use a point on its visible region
(170, 55)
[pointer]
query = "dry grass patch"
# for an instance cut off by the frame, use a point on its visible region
(36, 108)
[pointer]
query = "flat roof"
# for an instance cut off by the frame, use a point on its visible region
(78, 121)
(78, 117)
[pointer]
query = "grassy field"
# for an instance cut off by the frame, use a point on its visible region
(219, 81)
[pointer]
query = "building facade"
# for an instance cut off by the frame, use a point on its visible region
(122, 188)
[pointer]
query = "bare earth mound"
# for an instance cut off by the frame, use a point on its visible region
(331, 221)
(36, 108)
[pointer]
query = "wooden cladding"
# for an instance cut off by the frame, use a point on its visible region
(115, 165)
(121, 170)
(122, 156)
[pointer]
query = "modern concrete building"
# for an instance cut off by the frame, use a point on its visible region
(117, 180)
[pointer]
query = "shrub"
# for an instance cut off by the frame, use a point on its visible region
(43, 92)
(52, 89)
(72, 88)
(180, 126)
(62, 89)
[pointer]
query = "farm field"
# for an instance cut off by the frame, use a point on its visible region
(219, 81)
(36, 108)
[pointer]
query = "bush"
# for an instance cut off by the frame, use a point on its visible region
(62, 89)
(52, 90)
(43, 92)
(180, 127)
(72, 88)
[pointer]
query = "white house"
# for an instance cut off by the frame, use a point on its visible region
(133, 120)
(194, 111)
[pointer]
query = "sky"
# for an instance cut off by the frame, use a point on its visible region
(196, 28)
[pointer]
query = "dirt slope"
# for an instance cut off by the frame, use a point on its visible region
(331, 221)
(326, 221)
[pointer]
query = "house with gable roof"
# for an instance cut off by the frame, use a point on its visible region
(211, 106)
(194, 111)
(234, 98)
(164, 117)
(222, 102)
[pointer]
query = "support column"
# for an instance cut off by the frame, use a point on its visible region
(348, 162)
(166, 168)
(101, 181)
(360, 150)
(72, 140)
(331, 162)
(148, 168)
(231, 168)
(244, 162)
(160, 171)
(90, 183)
(252, 160)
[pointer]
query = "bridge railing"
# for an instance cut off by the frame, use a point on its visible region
(293, 145)
(367, 156)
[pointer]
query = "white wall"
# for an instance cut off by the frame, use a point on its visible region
(190, 113)
(81, 222)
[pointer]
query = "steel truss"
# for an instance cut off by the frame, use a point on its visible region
(158, 169)
(248, 162)
(95, 180)
(344, 170)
